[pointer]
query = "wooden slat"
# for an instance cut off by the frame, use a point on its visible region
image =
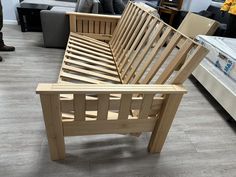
(74, 77)
(102, 27)
(143, 53)
(164, 55)
(190, 64)
(136, 25)
(129, 29)
(152, 55)
(91, 73)
(108, 28)
(79, 107)
(91, 52)
(89, 39)
(123, 28)
(85, 26)
(90, 43)
(102, 37)
(97, 27)
(140, 45)
(91, 67)
(114, 104)
(146, 106)
(84, 54)
(94, 16)
(121, 23)
(117, 46)
(107, 127)
(135, 38)
(91, 26)
(125, 104)
(80, 44)
(103, 106)
(71, 56)
(73, 23)
(180, 56)
(113, 26)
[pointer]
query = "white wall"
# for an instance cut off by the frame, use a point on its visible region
(195, 5)
(9, 11)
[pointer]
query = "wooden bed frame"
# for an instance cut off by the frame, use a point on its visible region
(128, 85)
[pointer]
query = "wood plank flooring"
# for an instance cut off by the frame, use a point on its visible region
(201, 142)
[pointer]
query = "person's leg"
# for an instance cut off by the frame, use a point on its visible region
(1, 23)
(3, 47)
(231, 27)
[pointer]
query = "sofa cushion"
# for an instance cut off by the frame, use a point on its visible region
(119, 6)
(107, 6)
(84, 6)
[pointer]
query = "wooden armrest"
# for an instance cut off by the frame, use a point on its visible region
(90, 15)
(109, 88)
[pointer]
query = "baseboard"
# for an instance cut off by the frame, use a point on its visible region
(10, 22)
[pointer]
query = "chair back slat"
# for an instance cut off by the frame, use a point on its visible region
(137, 46)
(180, 56)
(146, 50)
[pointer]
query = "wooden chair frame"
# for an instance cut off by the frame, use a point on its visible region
(128, 85)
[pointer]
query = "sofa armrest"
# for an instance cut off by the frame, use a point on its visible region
(55, 26)
(98, 26)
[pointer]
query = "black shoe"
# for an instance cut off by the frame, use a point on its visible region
(0, 59)
(6, 48)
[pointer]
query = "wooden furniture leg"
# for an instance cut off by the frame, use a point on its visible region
(164, 122)
(53, 123)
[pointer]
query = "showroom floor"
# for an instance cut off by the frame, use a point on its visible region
(201, 142)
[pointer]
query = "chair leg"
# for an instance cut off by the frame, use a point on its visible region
(53, 123)
(164, 122)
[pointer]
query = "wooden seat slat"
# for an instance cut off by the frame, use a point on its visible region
(91, 73)
(91, 67)
(80, 44)
(89, 56)
(86, 60)
(90, 40)
(92, 53)
(79, 40)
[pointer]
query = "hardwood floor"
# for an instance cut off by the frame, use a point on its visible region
(201, 142)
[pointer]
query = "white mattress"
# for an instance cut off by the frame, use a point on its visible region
(222, 53)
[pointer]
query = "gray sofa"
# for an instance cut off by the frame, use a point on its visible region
(55, 23)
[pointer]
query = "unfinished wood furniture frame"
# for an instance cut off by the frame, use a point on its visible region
(128, 85)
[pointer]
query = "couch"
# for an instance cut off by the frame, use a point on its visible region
(55, 22)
